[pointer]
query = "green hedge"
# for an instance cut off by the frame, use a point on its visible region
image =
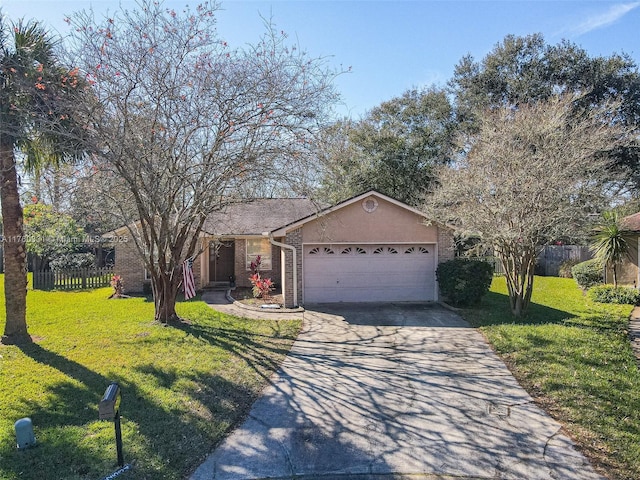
(463, 281)
(611, 294)
(588, 274)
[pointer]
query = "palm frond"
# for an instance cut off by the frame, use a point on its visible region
(609, 243)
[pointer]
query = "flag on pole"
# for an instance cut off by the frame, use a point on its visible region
(188, 282)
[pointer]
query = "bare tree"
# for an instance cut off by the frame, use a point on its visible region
(183, 124)
(530, 176)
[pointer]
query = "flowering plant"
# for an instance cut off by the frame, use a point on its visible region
(255, 265)
(118, 286)
(261, 286)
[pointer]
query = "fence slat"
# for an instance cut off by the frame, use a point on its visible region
(549, 260)
(76, 279)
(495, 261)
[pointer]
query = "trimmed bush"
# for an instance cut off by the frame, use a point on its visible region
(611, 294)
(588, 274)
(565, 268)
(73, 260)
(463, 281)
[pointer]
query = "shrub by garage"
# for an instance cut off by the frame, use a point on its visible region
(464, 282)
(588, 274)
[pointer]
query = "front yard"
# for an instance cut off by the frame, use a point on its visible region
(574, 357)
(182, 387)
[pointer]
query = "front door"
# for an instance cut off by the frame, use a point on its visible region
(221, 260)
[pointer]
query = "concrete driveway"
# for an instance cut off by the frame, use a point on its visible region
(392, 391)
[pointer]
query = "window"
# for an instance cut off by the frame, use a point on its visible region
(262, 247)
(417, 250)
(324, 251)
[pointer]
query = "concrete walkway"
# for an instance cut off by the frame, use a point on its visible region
(394, 391)
(217, 300)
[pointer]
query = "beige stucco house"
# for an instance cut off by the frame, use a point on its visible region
(629, 273)
(368, 248)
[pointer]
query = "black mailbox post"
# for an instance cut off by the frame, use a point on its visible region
(109, 409)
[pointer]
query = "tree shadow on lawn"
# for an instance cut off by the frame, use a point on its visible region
(494, 309)
(593, 338)
(244, 345)
(578, 363)
(66, 422)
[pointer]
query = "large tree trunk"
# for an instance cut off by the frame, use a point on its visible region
(519, 271)
(14, 251)
(165, 290)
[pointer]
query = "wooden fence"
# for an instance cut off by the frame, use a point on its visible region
(552, 256)
(495, 261)
(76, 279)
(549, 260)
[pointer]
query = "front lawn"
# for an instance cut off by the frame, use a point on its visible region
(183, 388)
(574, 357)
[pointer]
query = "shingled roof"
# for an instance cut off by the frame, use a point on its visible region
(258, 216)
(631, 223)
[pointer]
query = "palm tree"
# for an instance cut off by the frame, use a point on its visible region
(609, 244)
(35, 94)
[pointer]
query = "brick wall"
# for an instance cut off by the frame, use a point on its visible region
(294, 238)
(276, 272)
(240, 267)
(446, 245)
(130, 267)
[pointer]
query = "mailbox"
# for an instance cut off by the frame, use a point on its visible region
(109, 409)
(110, 403)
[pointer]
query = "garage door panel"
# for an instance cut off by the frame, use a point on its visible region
(354, 273)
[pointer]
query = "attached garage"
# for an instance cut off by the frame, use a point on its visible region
(369, 248)
(369, 273)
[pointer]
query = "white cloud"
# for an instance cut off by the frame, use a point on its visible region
(604, 19)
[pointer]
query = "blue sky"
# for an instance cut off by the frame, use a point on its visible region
(395, 45)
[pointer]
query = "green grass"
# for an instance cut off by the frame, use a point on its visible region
(183, 387)
(575, 359)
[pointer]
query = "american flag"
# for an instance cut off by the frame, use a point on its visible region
(188, 282)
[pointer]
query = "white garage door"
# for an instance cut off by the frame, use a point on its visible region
(368, 273)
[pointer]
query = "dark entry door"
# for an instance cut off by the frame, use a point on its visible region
(221, 260)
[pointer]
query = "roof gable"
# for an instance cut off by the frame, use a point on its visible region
(631, 223)
(371, 193)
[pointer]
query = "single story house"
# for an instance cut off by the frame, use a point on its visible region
(368, 248)
(628, 273)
